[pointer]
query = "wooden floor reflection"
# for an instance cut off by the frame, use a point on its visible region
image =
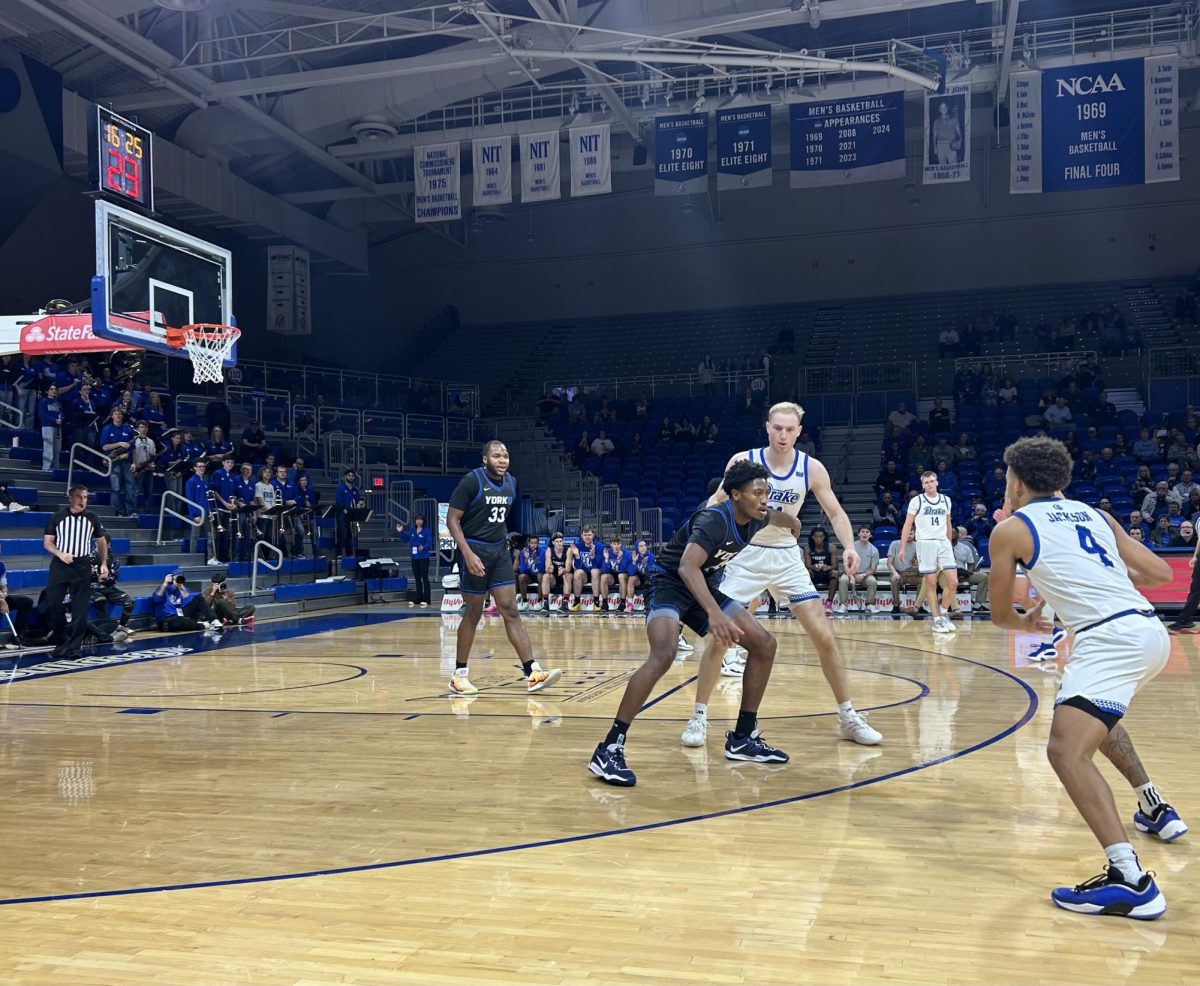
(314, 809)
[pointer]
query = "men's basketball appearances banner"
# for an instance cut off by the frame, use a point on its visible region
(680, 154)
(591, 160)
(1095, 126)
(491, 166)
(744, 148)
(539, 167)
(948, 135)
(847, 141)
(438, 183)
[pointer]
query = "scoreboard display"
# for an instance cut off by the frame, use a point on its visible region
(124, 159)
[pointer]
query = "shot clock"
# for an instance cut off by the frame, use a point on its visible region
(123, 158)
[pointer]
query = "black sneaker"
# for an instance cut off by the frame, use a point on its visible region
(753, 748)
(608, 763)
(1182, 625)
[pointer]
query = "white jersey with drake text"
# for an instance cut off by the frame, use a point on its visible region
(1075, 565)
(929, 516)
(787, 492)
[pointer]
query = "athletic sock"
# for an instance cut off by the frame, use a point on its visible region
(746, 724)
(527, 667)
(845, 708)
(701, 709)
(617, 733)
(1122, 856)
(1148, 798)
(460, 670)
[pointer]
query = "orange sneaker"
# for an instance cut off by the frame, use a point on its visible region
(539, 679)
(461, 686)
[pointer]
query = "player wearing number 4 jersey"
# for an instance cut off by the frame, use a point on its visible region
(1081, 562)
(773, 562)
(480, 508)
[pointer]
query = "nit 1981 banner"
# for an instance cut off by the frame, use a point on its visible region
(845, 141)
(1095, 126)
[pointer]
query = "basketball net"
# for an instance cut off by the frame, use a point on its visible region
(208, 346)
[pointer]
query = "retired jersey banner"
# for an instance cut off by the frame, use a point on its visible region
(948, 135)
(438, 197)
(744, 148)
(847, 141)
(491, 165)
(1095, 126)
(539, 167)
(680, 154)
(591, 160)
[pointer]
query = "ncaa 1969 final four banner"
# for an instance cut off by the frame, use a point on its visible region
(846, 141)
(1095, 126)
(680, 154)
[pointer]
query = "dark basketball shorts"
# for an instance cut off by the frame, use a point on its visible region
(668, 596)
(497, 568)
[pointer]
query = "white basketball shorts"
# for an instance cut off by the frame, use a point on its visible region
(760, 568)
(934, 555)
(1110, 663)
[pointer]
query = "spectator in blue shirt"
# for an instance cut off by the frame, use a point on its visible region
(193, 450)
(639, 568)
(69, 381)
(286, 495)
(25, 384)
(531, 564)
(155, 416)
(49, 415)
(196, 491)
(115, 441)
(218, 447)
(420, 542)
(177, 608)
(347, 498)
(613, 564)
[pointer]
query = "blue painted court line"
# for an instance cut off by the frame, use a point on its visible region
(1029, 713)
(139, 712)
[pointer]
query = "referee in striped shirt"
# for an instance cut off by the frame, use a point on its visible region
(68, 537)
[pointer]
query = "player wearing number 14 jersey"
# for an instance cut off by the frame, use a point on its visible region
(478, 518)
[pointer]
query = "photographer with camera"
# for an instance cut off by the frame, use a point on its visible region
(176, 608)
(223, 603)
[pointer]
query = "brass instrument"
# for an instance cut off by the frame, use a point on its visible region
(214, 513)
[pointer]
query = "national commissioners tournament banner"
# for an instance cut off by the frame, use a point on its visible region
(491, 166)
(847, 141)
(744, 148)
(948, 135)
(680, 154)
(539, 167)
(438, 193)
(1095, 126)
(591, 160)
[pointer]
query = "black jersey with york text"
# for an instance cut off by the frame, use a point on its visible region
(485, 504)
(714, 530)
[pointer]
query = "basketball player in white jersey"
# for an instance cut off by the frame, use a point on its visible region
(1081, 562)
(774, 562)
(929, 514)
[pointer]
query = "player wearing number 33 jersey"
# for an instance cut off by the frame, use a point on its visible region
(486, 502)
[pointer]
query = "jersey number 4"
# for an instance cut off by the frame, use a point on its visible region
(497, 515)
(1088, 543)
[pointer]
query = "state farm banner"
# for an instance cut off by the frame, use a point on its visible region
(491, 166)
(65, 334)
(438, 183)
(591, 161)
(539, 167)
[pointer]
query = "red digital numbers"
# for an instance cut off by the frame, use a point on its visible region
(123, 173)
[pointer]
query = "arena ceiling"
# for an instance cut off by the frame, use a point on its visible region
(319, 102)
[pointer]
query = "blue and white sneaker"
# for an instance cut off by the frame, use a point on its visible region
(1165, 823)
(753, 748)
(608, 763)
(1110, 893)
(1044, 652)
(1058, 635)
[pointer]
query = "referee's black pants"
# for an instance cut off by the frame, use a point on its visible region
(76, 579)
(1188, 613)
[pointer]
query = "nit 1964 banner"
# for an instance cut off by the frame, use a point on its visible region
(744, 148)
(1095, 126)
(491, 166)
(846, 141)
(680, 154)
(438, 194)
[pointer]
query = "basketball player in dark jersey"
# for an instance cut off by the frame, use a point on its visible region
(683, 590)
(556, 573)
(478, 521)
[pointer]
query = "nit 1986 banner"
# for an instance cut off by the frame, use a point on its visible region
(680, 154)
(1095, 126)
(846, 141)
(744, 148)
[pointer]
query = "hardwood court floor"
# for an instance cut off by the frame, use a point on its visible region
(304, 805)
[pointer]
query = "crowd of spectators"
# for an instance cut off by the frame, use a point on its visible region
(1105, 329)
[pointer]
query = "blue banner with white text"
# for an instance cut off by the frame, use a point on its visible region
(847, 141)
(744, 148)
(680, 154)
(1098, 125)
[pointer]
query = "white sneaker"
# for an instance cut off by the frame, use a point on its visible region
(522, 606)
(683, 645)
(733, 662)
(839, 609)
(943, 625)
(214, 625)
(852, 725)
(17, 508)
(214, 562)
(696, 731)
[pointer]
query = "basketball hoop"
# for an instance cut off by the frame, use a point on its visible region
(207, 347)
